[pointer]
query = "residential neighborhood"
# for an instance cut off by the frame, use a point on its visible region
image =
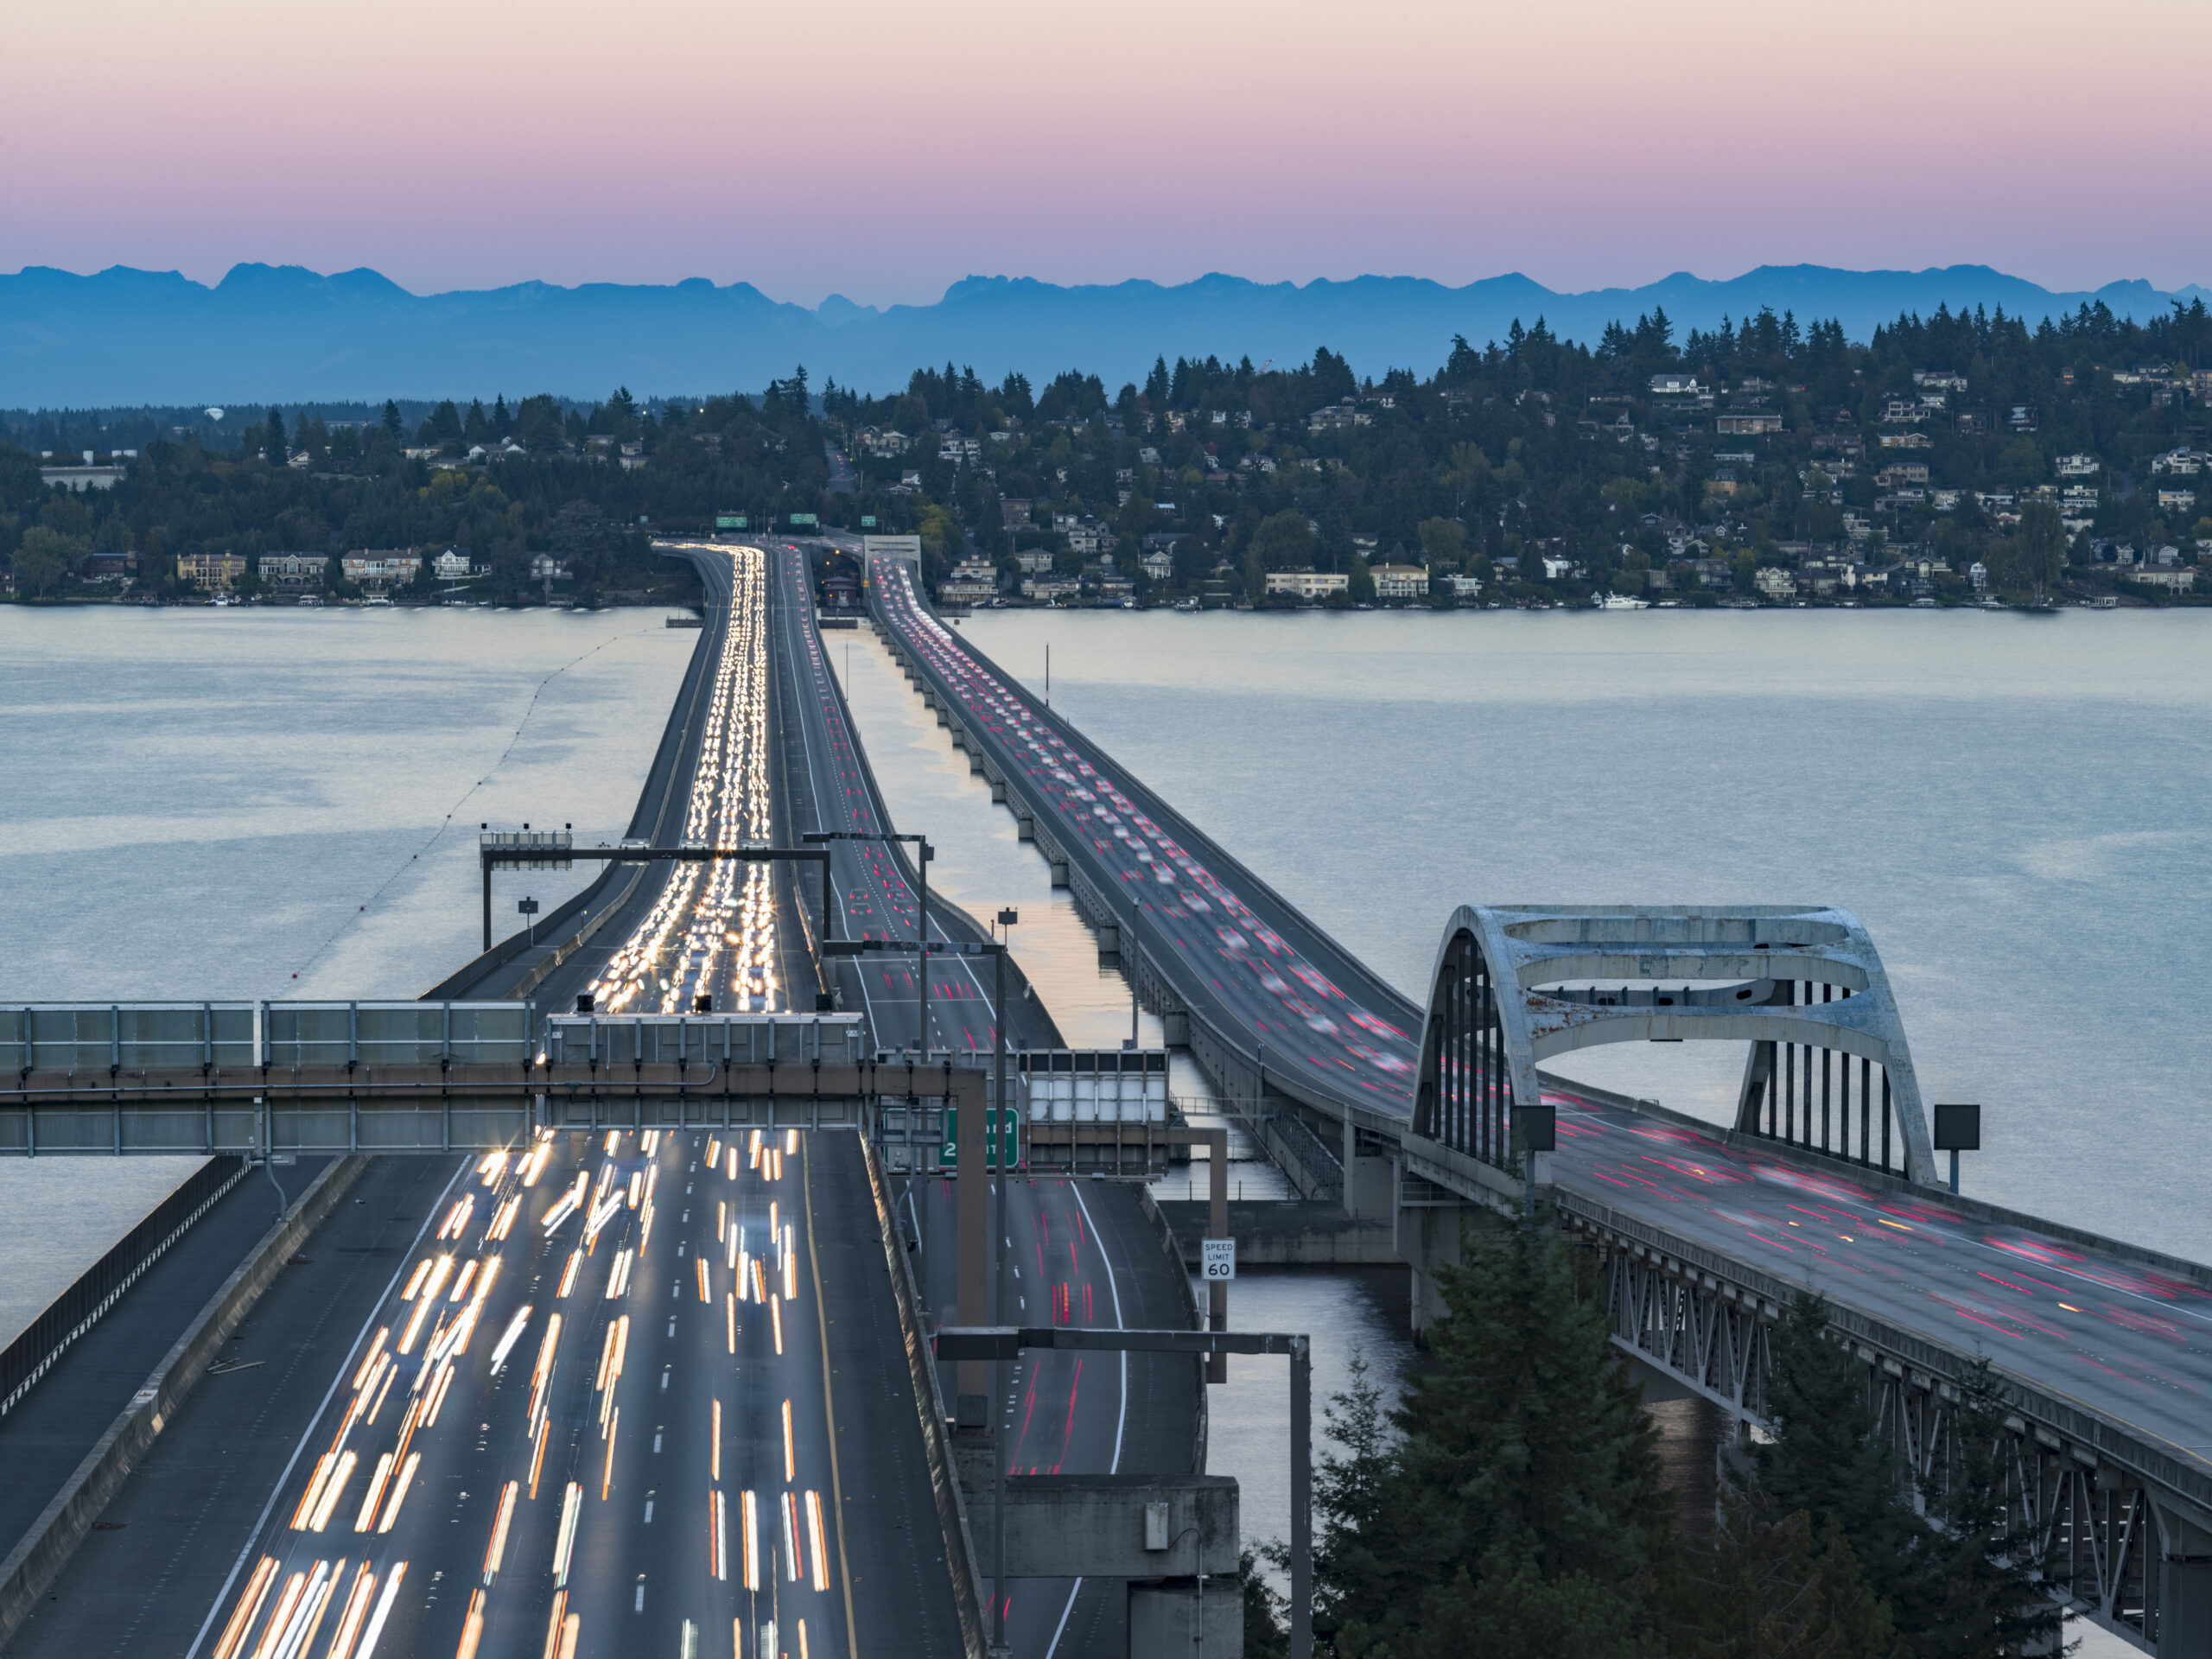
(1952, 459)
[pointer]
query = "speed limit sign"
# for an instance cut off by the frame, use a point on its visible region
(1218, 1256)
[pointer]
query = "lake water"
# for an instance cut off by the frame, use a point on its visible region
(205, 803)
(2015, 806)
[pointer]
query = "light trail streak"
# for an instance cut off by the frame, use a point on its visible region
(356, 1609)
(751, 1521)
(571, 1506)
(788, 1464)
(331, 1492)
(821, 1556)
(249, 1607)
(384, 1610)
(715, 920)
(567, 1207)
(495, 1551)
(399, 1491)
(514, 1334)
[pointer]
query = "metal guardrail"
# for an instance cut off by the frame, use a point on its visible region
(36, 1347)
(703, 1039)
(118, 1038)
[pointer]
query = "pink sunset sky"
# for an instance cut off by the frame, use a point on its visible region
(884, 150)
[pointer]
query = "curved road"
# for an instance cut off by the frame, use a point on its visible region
(2132, 1343)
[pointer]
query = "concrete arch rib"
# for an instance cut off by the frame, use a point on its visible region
(1759, 954)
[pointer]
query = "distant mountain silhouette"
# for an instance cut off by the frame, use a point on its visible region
(283, 334)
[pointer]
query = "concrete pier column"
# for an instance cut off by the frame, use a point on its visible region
(1430, 1236)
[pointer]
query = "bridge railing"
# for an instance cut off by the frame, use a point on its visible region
(703, 1039)
(174, 1037)
(395, 1034)
(126, 1036)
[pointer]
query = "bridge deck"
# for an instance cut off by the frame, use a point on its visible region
(2122, 1343)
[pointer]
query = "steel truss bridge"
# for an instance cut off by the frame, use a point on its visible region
(1826, 1177)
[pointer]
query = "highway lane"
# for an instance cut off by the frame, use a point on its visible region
(597, 1414)
(711, 929)
(2130, 1344)
(1080, 1253)
(871, 894)
(1266, 968)
(1083, 1252)
(2126, 1341)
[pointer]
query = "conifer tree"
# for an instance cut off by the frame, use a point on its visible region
(1766, 1587)
(1827, 1458)
(1985, 1559)
(1526, 1472)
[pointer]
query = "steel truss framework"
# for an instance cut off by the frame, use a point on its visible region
(1516, 985)
(2110, 1542)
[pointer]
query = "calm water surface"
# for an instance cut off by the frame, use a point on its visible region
(246, 803)
(2015, 807)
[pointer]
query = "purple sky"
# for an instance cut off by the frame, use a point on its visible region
(884, 150)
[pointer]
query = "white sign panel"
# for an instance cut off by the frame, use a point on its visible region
(1218, 1256)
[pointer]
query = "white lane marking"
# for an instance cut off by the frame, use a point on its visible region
(1114, 1287)
(345, 1370)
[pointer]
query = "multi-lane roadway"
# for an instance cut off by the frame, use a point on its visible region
(1075, 1256)
(602, 1410)
(2123, 1339)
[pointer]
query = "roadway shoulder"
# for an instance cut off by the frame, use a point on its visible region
(902, 1591)
(153, 1564)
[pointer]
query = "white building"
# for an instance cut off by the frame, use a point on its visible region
(1398, 580)
(1307, 584)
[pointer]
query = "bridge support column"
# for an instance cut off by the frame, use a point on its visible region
(2184, 1586)
(1370, 1177)
(1430, 1236)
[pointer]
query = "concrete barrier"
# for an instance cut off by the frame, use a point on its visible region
(1163, 1232)
(960, 1557)
(36, 1561)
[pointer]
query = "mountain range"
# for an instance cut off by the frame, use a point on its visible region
(281, 333)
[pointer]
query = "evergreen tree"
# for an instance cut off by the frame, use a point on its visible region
(1526, 1473)
(1984, 1554)
(1827, 1458)
(273, 448)
(1350, 1490)
(392, 428)
(1265, 1634)
(1767, 1586)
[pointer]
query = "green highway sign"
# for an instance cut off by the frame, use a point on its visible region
(799, 518)
(867, 521)
(949, 1153)
(729, 521)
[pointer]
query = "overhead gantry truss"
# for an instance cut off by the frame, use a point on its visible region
(1517, 985)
